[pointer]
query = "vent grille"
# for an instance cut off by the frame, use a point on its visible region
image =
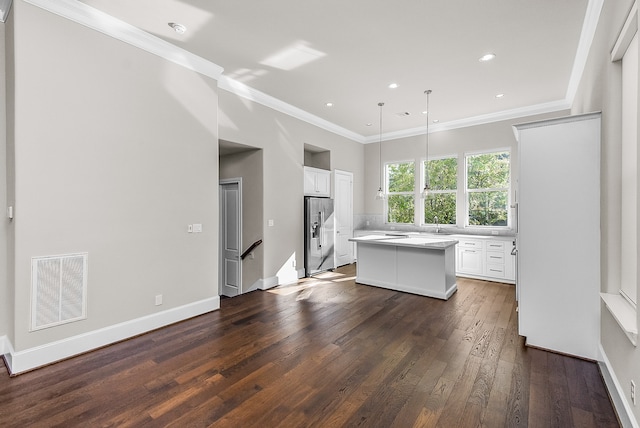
(58, 290)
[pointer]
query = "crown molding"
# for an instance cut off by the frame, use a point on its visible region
(589, 26)
(247, 92)
(120, 30)
(629, 29)
(5, 7)
(550, 107)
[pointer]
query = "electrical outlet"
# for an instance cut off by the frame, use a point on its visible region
(633, 392)
(158, 299)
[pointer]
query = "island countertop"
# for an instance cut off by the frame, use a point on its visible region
(409, 241)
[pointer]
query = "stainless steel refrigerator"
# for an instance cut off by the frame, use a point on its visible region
(318, 235)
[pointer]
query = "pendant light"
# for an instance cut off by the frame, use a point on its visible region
(425, 191)
(380, 192)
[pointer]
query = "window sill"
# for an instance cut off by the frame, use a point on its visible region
(623, 313)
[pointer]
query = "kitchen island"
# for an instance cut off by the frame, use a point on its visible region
(418, 265)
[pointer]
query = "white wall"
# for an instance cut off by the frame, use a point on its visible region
(6, 296)
(282, 139)
(600, 90)
(115, 153)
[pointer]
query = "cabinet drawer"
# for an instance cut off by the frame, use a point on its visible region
(494, 257)
(495, 246)
(470, 243)
(495, 271)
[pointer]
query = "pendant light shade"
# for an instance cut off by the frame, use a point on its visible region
(427, 188)
(380, 192)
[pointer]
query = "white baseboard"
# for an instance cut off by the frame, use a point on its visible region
(38, 356)
(625, 413)
(287, 278)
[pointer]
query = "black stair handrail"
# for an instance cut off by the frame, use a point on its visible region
(251, 248)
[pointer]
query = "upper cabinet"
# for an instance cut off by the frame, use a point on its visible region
(317, 182)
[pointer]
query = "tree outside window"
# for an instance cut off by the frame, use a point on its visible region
(441, 201)
(400, 192)
(488, 176)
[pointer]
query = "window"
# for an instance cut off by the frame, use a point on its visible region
(629, 171)
(400, 192)
(488, 176)
(441, 201)
(623, 305)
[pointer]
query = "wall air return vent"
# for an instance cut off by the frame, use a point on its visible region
(58, 290)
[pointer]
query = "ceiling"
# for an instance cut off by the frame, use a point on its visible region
(308, 53)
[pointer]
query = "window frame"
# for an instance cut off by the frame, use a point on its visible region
(423, 177)
(468, 191)
(388, 193)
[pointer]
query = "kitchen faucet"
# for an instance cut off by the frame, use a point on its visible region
(435, 220)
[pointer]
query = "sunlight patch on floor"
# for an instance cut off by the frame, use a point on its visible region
(304, 285)
(286, 290)
(348, 278)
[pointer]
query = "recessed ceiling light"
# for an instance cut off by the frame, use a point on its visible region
(499, 95)
(329, 104)
(178, 28)
(393, 85)
(436, 120)
(369, 124)
(487, 57)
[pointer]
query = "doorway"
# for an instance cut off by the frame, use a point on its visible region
(230, 279)
(343, 195)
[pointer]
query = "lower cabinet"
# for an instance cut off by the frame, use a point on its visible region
(470, 261)
(480, 257)
(485, 258)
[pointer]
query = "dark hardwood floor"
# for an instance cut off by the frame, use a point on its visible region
(325, 353)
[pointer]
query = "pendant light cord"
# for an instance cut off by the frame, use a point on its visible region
(426, 161)
(380, 146)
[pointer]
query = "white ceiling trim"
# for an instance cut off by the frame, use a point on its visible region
(120, 30)
(549, 107)
(259, 97)
(589, 26)
(5, 7)
(629, 30)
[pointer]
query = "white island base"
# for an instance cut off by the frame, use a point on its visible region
(423, 266)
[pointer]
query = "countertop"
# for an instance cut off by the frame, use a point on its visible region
(442, 235)
(415, 241)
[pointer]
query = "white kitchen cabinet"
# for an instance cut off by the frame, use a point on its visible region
(317, 182)
(559, 199)
(470, 257)
(484, 257)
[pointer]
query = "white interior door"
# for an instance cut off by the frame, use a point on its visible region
(343, 199)
(230, 237)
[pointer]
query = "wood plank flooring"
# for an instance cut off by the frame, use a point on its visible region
(324, 352)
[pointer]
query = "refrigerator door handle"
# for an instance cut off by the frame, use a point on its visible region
(321, 231)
